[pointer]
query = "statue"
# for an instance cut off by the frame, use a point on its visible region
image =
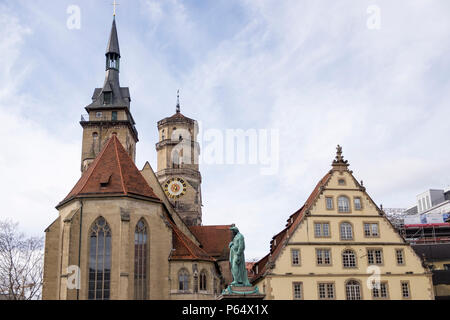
(237, 259)
(240, 285)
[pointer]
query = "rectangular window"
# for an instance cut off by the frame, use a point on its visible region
(357, 203)
(295, 257)
(326, 290)
(371, 230)
(375, 256)
(114, 116)
(329, 201)
(405, 290)
(107, 97)
(297, 288)
(323, 256)
(322, 230)
(380, 292)
(400, 257)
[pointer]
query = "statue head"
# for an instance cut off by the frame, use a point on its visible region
(234, 229)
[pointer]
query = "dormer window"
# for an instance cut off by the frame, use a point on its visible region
(107, 97)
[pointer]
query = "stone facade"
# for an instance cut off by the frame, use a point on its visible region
(119, 235)
(178, 152)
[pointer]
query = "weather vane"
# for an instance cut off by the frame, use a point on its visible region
(115, 4)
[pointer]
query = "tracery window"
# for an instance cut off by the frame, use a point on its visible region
(183, 280)
(140, 260)
(203, 277)
(99, 260)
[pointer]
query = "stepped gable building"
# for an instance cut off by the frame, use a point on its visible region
(334, 243)
(124, 233)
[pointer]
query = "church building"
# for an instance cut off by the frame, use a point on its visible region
(340, 245)
(125, 233)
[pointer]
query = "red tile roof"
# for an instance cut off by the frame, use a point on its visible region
(294, 220)
(113, 172)
(214, 239)
(185, 248)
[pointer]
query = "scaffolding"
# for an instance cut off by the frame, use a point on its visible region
(425, 233)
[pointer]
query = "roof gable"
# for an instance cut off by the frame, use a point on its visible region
(214, 239)
(113, 172)
(185, 249)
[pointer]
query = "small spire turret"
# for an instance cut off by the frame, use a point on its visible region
(178, 102)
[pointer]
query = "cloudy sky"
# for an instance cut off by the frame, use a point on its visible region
(321, 73)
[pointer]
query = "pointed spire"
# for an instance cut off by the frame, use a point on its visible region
(339, 163)
(178, 102)
(113, 43)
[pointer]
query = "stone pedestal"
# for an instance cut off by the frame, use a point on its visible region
(234, 292)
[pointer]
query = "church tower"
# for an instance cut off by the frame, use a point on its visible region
(109, 113)
(178, 169)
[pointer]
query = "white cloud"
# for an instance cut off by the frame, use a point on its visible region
(311, 69)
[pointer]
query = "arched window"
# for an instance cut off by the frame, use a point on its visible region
(343, 204)
(348, 259)
(183, 280)
(176, 159)
(99, 260)
(203, 277)
(353, 290)
(346, 231)
(140, 261)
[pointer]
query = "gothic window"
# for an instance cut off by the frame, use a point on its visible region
(349, 259)
(140, 260)
(343, 204)
(176, 160)
(353, 290)
(183, 280)
(346, 231)
(203, 277)
(99, 260)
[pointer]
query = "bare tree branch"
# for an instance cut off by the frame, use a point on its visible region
(21, 263)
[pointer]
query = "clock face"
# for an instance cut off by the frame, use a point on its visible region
(175, 188)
